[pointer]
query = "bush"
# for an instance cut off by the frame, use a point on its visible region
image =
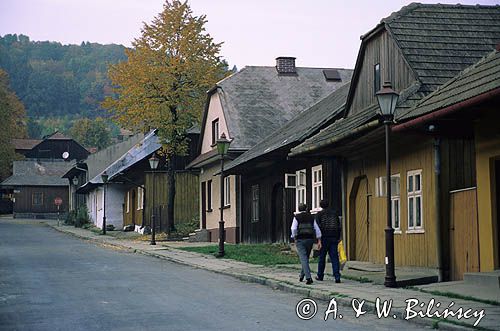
(82, 217)
(70, 218)
(185, 228)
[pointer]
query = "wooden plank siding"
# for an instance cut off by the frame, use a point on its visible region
(271, 187)
(393, 67)
(411, 249)
(134, 216)
(186, 204)
(24, 199)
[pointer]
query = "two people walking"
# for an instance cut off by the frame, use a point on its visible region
(324, 228)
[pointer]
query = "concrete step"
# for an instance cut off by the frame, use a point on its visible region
(485, 279)
(185, 239)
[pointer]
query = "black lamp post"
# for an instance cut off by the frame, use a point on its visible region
(75, 184)
(387, 99)
(153, 163)
(104, 177)
(222, 149)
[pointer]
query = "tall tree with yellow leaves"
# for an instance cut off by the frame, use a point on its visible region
(163, 83)
(12, 124)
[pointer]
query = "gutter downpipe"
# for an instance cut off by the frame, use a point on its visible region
(437, 202)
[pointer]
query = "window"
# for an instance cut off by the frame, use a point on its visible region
(290, 181)
(140, 198)
(255, 203)
(227, 191)
(376, 78)
(317, 186)
(215, 131)
(300, 191)
(414, 189)
(127, 202)
(380, 191)
(209, 195)
(37, 198)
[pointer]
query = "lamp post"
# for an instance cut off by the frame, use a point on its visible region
(75, 184)
(222, 149)
(104, 177)
(387, 99)
(153, 164)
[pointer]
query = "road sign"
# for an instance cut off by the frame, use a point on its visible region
(58, 201)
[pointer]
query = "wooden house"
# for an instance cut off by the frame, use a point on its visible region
(35, 185)
(272, 186)
(246, 107)
(133, 172)
(51, 147)
(418, 49)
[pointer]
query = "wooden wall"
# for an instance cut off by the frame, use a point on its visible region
(134, 215)
(411, 249)
(270, 180)
(23, 202)
(380, 49)
(186, 197)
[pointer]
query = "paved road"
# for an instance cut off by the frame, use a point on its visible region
(52, 281)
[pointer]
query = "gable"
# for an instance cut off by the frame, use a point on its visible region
(380, 49)
(214, 112)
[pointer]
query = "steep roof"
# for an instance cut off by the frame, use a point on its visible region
(25, 144)
(480, 78)
(438, 41)
(257, 100)
(38, 173)
(299, 128)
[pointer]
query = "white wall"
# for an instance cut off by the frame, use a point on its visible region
(115, 195)
(214, 111)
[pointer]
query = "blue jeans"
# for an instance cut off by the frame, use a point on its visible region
(304, 247)
(329, 245)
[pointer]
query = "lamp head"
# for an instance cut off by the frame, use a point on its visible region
(223, 145)
(387, 99)
(153, 162)
(104, 177)
(75, 180)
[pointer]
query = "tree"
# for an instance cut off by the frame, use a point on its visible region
(164, 81)
(12, 125)
(91, 133)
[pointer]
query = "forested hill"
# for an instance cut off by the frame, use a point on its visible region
(52, 79)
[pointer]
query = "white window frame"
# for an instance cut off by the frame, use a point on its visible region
(255, 203)
(412, 196)
(140, 198)
(396, 200)
(127, 203)
(301, 189)
(317, 186)
(227, 191)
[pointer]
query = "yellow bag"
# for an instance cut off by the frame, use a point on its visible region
(342, 255)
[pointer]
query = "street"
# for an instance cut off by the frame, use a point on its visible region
(52, 281)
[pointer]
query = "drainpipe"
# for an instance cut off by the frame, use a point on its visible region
(437, 201)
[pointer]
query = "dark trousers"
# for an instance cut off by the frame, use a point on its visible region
(329, 245)
(304, 247)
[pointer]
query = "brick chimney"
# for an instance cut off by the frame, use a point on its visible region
(285, 65)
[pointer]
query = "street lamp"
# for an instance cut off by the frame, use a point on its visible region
(153, 164)
(104, 177)
(222, 149)
(387, 99)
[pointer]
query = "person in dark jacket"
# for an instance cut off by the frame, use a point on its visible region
(305, 231)
(331, 228)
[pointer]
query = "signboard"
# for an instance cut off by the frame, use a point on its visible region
(58, 201)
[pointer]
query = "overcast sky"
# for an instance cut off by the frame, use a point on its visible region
(322, 33)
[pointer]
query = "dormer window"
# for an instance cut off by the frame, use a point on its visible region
(376, 78)
(215, 131)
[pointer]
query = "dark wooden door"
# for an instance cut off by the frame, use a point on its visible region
(277, 226)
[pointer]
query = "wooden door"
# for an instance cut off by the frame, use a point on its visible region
(361, 222)
(277, 214)
(463, 233)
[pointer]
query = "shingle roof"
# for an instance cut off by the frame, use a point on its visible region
(25, 144)
(439, 41)
(257, 100)
(38, 173)
(478, 79)
(299, 128)
(337, 131)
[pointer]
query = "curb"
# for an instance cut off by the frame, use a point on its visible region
(277, 284)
